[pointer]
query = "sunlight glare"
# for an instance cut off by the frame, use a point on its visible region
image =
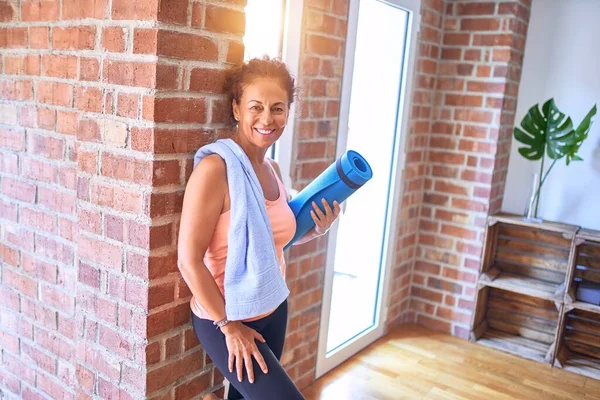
(264, 25)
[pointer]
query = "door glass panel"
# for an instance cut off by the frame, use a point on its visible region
(373, 116)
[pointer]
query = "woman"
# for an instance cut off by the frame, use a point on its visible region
(247, 352)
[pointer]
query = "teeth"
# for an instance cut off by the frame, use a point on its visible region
(264, 131)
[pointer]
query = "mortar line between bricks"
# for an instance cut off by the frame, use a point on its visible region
(197, 31)
(142, 189)
(163, 94)
(91, 115)
(36, 390)
(37, 256)
(41, 349)
(112, 271)
(87, 205)
(135, 340)
(108, 240)
(206, 369)
(164, 220)
(219, 3)
(450, 223)
(36, 204)
(95, 54)
(172, 333)
(131, 155)
(83, 22)
(45, 185)
(171, 277)
(175, 303)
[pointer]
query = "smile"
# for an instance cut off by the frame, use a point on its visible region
(264, 131)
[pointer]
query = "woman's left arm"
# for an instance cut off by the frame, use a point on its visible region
(322, 220)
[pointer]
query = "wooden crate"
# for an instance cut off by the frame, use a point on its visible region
(578, 349)
(585, 268)
(525, 257)
(516, 323)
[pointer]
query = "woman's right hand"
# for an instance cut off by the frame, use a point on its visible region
(241, 346)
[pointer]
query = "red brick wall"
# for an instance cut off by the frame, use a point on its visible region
(101, 110)
(422, 99)
(477, 81)
(49, 90)
(468, 61)
(196, 41)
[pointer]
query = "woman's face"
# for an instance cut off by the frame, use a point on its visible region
(262, 112)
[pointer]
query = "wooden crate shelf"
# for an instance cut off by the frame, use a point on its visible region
(585, 269)
(578, 349)
(525, 257)
(521, 284)
(517, 220)
(526, 299)
(516, 323)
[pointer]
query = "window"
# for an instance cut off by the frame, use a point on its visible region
(273, 28)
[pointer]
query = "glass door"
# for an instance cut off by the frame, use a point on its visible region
(381, 36)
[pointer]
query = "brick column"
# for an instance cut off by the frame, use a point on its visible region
(469, 145)
(194, 43)
(425, 83)
(102, 105)
(114, 182)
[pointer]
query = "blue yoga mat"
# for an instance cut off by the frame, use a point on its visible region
(338, 182)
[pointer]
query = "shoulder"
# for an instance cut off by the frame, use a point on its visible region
(212, 162)
(210, 170)
(275, 167)
(278, 172)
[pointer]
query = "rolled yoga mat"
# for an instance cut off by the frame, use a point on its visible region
(338, 182)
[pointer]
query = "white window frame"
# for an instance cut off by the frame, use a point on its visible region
(326, 363)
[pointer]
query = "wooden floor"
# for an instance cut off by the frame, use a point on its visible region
(415, 363)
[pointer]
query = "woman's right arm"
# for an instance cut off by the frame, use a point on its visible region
(202, 204)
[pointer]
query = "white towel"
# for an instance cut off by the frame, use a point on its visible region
(253, 283)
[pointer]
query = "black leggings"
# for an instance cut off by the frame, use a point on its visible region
(276, 384)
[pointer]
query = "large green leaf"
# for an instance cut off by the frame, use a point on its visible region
(543, 132)
(581, 133)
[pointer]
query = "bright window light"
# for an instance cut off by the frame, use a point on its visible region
(264, 28)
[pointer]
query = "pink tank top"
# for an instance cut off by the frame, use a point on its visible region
(283, 225)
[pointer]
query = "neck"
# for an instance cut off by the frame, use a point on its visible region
(256, 155)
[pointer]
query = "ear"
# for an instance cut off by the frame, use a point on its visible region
(236, 109)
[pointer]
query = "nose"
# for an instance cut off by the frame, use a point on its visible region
(266, 118)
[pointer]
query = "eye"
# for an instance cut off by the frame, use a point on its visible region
(255, 108)
(278, 109)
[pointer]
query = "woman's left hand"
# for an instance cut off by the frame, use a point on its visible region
(324, 221)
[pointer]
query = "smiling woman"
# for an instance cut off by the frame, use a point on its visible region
(235, 222)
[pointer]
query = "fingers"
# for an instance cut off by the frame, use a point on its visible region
(259, 337)
(318, 211)
(239, 367)
(327, 207)
(261, 361)
(249, 368)
(324, 220)
(316, 219)
(230, 363)
(259, 358)
(336, 209)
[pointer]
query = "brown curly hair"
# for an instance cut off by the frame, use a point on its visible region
(240, 76)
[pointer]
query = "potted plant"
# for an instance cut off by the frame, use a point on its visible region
(549, 133)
